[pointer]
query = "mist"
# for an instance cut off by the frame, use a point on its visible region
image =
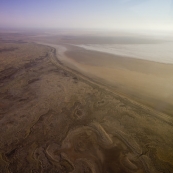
(127, 15)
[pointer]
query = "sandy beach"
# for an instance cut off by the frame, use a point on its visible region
(147, 82)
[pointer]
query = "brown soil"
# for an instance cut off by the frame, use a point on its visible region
(53, 119)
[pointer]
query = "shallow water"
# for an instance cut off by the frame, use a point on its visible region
(159, 52)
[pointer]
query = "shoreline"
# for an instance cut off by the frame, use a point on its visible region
(129, 90)
(134, 51)
(102, 85)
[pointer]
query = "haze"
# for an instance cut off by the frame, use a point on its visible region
(86, 86)
(97, 14)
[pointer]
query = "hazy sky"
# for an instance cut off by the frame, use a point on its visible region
(108, 14)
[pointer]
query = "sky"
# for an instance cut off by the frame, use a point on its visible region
(89, 14)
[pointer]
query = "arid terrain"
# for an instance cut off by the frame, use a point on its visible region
(54, 117)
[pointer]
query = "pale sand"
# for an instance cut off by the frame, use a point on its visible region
(147, 82)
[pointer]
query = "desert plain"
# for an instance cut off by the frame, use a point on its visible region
(67, 109)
